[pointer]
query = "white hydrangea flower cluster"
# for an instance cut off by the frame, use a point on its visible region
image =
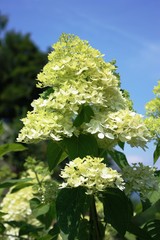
(16, 205)
(91, 173)
(153, 125)
(76, 76)
(153, 113)
(140, 179)
(120, 125)
(17, 208)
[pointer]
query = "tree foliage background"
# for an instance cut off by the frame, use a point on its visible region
(20, 61)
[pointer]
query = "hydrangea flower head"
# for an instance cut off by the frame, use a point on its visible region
(140, 179)
(16, 204)
(17, 208)
(92, 174)
(153, 113)
(77, 76)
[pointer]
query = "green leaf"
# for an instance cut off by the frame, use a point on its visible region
(27, 229)
(157, 173)
(11, 182)
(117, 209)
(119, 158)
(2, 214)
(24, 228)
(46, 237)
(19, 186)
(71, 204)
(2, 228)
(15, 224)
(81, 146)
(84, 115)
(121, 145)
(38, 208)
(45, 213)
(41, 209)
(83, 230)
(54, 153)
(137, 231)
(1, 128)
(156, 153)
(148, 214)
(153, 229)
(55, 231)
(34, 203)
(47, 93)
(50, 216)
(11, 147)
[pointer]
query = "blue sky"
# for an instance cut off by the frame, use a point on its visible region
(125, 30)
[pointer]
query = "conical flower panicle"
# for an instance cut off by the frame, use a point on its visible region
(77, 76)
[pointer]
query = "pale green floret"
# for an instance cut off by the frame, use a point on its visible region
(92, 174)
(16, 205)
(140, 179)
(17, 208)
(76, 76)
(123, 125)
(153, 125)
(74, 59)
(153, 113)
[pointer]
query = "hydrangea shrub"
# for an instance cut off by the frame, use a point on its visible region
(84, 115)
